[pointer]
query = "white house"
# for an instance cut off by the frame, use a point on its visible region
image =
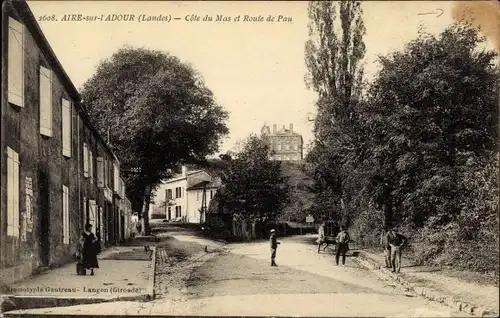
(173, 191)
(199, 196)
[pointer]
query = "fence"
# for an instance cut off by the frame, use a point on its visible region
(241, 229)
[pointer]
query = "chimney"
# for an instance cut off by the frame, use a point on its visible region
(291, 128)
(274, 129)
(184, 171)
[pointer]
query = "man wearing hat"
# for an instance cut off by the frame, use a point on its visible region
(395, 242)
(274, 246)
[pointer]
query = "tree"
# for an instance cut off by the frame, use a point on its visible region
(436, 107)
(252, 184)
(333, 57)
(157, 113)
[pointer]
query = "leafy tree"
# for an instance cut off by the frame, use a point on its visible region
(436, 106)
(157, 113)
(253, 184)
(333, 57)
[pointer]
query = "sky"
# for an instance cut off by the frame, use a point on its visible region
(255, 69)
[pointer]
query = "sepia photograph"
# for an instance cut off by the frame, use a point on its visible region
(250, 158)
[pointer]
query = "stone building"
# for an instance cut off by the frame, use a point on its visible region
(286, 145)
(57, 172)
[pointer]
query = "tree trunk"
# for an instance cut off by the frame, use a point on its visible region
(388, 219)
(146, 230)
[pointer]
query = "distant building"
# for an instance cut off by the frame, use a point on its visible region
(285, 143)
(181, 197)
(198, 197)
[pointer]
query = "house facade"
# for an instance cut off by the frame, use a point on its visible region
(57, 173)
(286, 145)
(172, 196)
(199, 196)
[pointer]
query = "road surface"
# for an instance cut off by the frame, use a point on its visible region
(196, 276)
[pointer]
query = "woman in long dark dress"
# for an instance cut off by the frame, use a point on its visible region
(89, 251)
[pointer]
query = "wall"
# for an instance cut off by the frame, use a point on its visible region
(195, 203)
(42, 162)
(192, 178)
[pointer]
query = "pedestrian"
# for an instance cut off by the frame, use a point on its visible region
(274, 246)
(321, 233)
(396, 242)
(387, 248)
(90, 247)
(342, 245)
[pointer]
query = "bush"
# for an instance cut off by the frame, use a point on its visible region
(366, 228)
(157, 216)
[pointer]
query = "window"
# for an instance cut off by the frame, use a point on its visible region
(169, 194)
(65, 216)
(287, 146)
(178, 192)
(178, 211)
(12, 193)
(169, 213)
(45, 101)
(211, 194)
(66, 127)
(16, 63)
(85, 160)
(295, 146)
(91, 166)
(278, 146)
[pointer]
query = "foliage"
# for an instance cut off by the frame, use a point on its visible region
(157, 112)
(434, 113)
(417, 149)
(436, 107)
(333, 57)
(252, 184)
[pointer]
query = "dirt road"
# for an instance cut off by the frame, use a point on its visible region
(196, 276)
(237, 279)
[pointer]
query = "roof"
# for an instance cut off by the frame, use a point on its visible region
(180, 177)
(205, 184)
(29, 21)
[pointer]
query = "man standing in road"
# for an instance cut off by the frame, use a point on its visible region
(274, 246)
(396, 242)
(342, 245)
(387, 248)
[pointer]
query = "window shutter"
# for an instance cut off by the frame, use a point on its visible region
(116, 183)
(45, 101)
(100, 172)
(101, 224)
(65, 214)
(16, 63)
(66, 127)
(85, 217)
(92, 214)
(12, 193)
(106, 172)
(91, 166)
(16, 194)
(85, 160)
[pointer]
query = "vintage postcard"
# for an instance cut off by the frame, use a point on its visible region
(250, 158)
